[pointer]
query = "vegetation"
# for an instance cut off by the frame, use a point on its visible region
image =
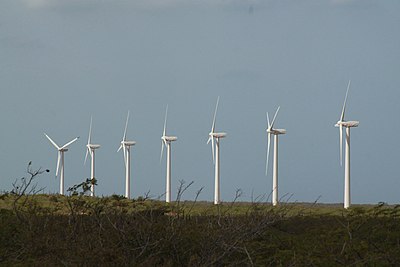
(72, 230)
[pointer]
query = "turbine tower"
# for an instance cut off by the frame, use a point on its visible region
(126, 147)
(215, 140)
(90, 149)
(166, 141)
(60, 158)
(276, 132)
(346, 124)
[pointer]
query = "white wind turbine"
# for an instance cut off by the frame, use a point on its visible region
(60, 158)
(166, 141)
(215, 139)
(126, 147)
(272, 131)
(90, 148)
(347, 124)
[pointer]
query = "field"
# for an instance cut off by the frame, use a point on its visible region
(79, 230)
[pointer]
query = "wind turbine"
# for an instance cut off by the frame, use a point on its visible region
(346, 124)
(60, 158)
(126, 147)
(166, 141)
(276, 132)
(90, 149)
(215, 139)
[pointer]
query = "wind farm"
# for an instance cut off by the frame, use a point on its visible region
(247, 99)
(214, 139)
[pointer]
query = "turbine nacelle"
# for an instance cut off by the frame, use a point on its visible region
(169, 138)
(276, 131)
(347, 124)
(217, 135)
(128, 143)
(92, 146)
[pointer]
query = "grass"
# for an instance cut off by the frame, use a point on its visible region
(59, 205)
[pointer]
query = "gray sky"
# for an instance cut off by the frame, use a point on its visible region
(62, 61)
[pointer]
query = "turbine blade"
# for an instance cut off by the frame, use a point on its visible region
(54, 143)
(269, 123)
(90, 131)
(126, 127)
(276, 113)
(268, 148)
(119, 148)
(70, 142)
(162, 150)
(165, 121)
(215, 115)
(341, 144)
(345, 100)
(213, 149)
(124, 150)
(58, 162)
(87, 151)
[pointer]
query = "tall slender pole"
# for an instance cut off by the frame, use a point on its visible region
(347, 199)
(168, 183)
(127, 173)
(275, 173)
(62, 174)
(92, 172)
(217, 199)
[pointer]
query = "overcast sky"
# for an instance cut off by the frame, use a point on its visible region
(62, 61)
